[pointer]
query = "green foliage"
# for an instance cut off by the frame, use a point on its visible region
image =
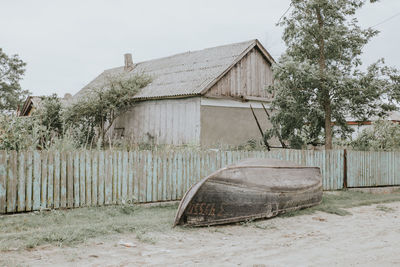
(53, 126)
(50, 113)
(11, 71)
(43, 130)
(251, 144)
(317, 79)
(385, 135)
(93, 115)
(19, 133)
(80, 124)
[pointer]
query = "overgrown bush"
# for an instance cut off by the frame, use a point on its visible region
(20, 133)
(50, 113)
(83, 123)
(385, 135)
(44, 129)
(94, 114)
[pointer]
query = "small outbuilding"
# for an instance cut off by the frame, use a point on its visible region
(198, 97)
(33, 103)
(30, 105)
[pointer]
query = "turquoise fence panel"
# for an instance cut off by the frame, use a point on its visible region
(370, 168)
(37, 180)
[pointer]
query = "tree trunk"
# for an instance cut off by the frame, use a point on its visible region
(102, 136)
(328, 126)
(326, 102)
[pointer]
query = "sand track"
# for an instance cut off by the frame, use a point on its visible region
(368, 237)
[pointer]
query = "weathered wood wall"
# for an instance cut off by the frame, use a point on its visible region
(41, 180)
(168, 121)
(249, 77)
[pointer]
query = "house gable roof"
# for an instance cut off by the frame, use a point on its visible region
(30, 103)
(186, 74)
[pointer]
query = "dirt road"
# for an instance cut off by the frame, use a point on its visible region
(368, 237)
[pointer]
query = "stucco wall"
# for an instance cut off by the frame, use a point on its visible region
(231, 124)
(168, 121)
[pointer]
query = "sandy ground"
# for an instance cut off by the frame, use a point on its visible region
(368, 237)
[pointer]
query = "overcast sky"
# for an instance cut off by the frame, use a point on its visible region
(68, 43)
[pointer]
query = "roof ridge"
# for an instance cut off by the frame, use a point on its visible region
(194, 51)
(183, 53)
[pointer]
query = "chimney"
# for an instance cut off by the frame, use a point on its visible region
(67, 96)
(128, 62)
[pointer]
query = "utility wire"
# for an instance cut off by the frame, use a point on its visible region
(284, 13)
(386, 20)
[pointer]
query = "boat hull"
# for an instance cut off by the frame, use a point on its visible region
(250, 191)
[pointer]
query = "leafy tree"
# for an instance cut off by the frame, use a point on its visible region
(49, 116)
(318, 81)
(11, 71)
(49, 113)
(95, 113)
(385, 135)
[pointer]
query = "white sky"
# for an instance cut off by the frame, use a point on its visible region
(68, 43)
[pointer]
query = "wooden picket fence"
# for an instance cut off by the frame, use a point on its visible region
(38, 180)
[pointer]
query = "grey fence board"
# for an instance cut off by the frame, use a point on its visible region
(50, 181)
(88, 178)
(63, 180)
(56, 189)
(37, 170)
(12, 182)
(29, 170)
(3, 181)
(21, 182)
(82, 179)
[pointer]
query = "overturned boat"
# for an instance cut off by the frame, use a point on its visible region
(250, 189)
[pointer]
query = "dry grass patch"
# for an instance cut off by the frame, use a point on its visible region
(73, 226)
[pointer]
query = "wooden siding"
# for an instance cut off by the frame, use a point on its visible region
(170, 121)
(50, 180)
(249, 77)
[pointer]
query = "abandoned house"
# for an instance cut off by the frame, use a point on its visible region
(198, 97)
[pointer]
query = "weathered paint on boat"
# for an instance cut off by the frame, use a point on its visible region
(250, 189)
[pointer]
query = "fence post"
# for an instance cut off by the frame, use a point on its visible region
(344, 169)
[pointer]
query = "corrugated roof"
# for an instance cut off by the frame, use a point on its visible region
(182, 74)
